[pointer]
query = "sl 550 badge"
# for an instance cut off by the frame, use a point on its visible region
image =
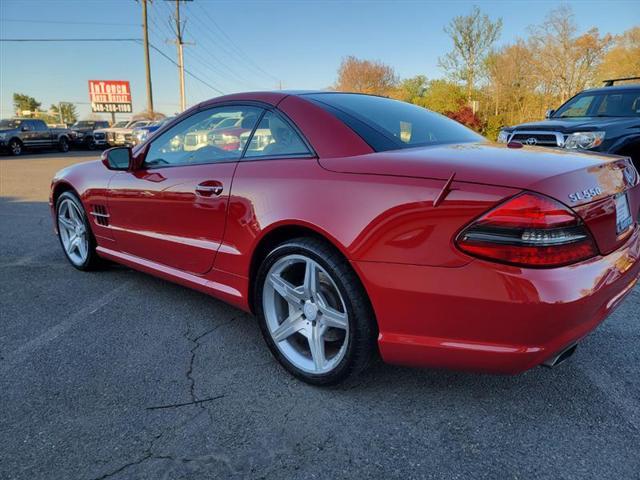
(585, 194)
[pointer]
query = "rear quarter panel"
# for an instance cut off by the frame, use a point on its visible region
(368, 217)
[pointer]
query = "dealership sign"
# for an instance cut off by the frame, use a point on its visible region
(110, 96)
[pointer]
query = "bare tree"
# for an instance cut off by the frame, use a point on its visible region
(473, 36)
(623, 60)
(366, 76)
(566, 63)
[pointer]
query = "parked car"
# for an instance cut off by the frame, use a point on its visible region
(367, 225)
(82, 132)
(121, 133)
(140, 134)
(124, 136)
(100, 135)
(19, 134)
(605, 120)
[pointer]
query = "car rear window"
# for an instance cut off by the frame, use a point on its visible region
(387, 124)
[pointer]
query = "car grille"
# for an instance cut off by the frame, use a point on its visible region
(111, 136)
(541, 139)
(98, 136)
(128, 137)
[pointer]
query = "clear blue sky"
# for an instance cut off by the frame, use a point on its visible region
(299, 43)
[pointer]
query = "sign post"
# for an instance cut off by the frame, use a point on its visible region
(110, 96)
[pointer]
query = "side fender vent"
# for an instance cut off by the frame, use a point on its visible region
(100, 215)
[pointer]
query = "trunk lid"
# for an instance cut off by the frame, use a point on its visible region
(587, 182)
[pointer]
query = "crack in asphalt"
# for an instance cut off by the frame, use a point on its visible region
(176, 405)
(196, 346)
(148, 453)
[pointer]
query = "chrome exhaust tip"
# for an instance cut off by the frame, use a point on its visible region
(560, 357)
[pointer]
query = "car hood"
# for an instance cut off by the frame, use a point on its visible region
(9, 130)
(576, 124)
(558, 173)
(82, 130)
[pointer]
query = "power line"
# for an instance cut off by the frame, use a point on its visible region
(242, 53)
(218, 63)
(66, 22)
(69, 39)
(137, 40)
(168, 57)
(185, 70)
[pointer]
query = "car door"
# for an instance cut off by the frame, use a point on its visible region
(28, 135)
(172, 210)
(41, 133)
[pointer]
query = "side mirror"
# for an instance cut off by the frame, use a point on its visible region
(117, 158)
(549, 113)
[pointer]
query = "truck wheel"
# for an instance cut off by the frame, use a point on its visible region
(15, 147)
(91, 143)
(63, 145)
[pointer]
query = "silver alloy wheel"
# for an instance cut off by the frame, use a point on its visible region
(305, 314)
(73, 232)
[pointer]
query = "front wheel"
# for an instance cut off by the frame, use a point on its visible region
(314, 313)
(91, 143)
(15, 147)
(63, 145)
(74, 232)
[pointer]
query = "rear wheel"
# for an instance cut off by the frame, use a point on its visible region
(15, 147)
(63, 145)
(74, 232)
(313, 312)
(91, 143)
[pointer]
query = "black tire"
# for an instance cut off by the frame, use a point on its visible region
(92, 261)
(15, 147)
(363, 330)
(90, 143)
(63, 145)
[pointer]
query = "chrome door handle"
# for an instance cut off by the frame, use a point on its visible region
(208, 190)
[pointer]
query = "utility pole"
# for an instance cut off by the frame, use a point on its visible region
(180, 56)
(145, 31)
(179, 46)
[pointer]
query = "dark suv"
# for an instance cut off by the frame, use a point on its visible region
(82, 132)
(603, 119)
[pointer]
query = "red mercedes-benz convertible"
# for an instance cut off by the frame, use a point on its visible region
(352, 224)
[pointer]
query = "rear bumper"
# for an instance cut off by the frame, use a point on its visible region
(493, 318)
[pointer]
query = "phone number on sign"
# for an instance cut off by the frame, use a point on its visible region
(111, 107)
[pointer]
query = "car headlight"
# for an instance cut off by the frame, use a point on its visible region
(503, 136)
(79, 134)
(584, 140)
(141, 136)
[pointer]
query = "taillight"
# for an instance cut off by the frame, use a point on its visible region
(529, 230)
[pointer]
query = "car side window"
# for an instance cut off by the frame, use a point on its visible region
(275, 137)
(199, 139)
(39, 125)
(26, 126)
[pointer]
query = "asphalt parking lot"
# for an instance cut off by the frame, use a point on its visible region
(116, 374)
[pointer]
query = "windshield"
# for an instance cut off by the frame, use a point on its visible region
(83, 124)
(138, 124)
(9, 123)
(390, 124)
(121, 124)
(625, 103)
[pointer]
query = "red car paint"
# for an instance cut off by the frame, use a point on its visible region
(435, 305)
